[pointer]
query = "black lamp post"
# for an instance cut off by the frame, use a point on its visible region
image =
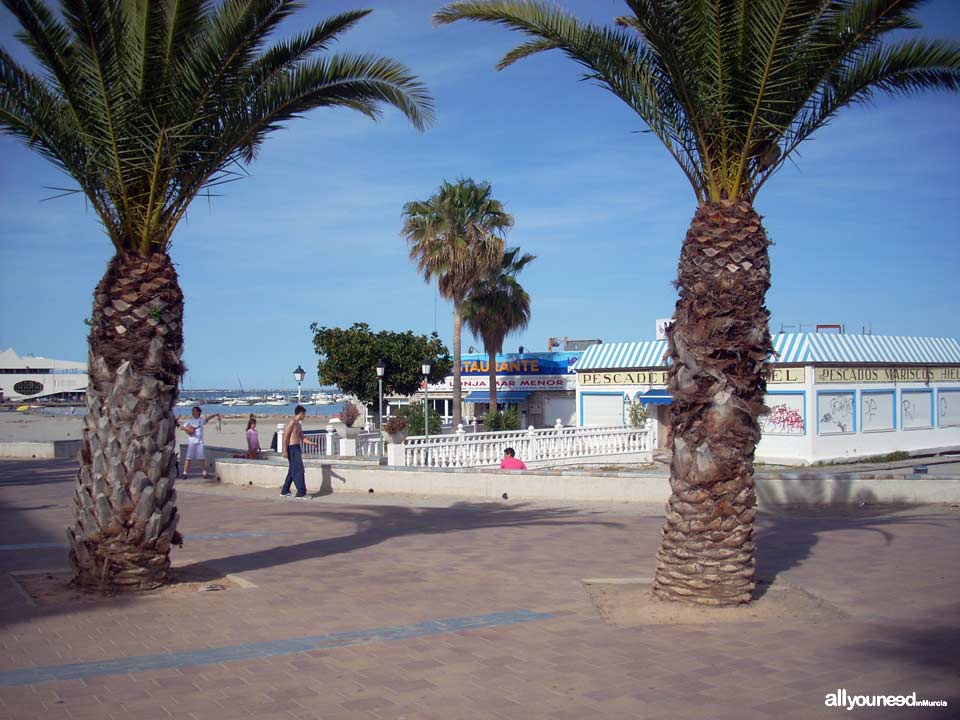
(425, 369)
(381, 369)
(299, 374)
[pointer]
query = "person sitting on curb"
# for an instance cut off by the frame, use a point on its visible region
(510, 461)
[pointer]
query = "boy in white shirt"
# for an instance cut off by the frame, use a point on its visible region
(193, 427)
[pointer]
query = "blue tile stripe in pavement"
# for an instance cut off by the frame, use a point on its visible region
(201, 536)
(206, 656)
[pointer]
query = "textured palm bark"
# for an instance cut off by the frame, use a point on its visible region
(492, 378)
(718, 345)
(457, 356)
(125, 504)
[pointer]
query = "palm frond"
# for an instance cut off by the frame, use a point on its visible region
(456, 235)
(148, 103)
(498, 305)
(730, 87)
(611, 58)
(288, 54)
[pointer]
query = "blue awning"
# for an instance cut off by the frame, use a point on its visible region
(503, 396)
(655, 397)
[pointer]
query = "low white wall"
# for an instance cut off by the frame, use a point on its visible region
(772, 491)
(812, 446)
(360, 477)
(57, 449)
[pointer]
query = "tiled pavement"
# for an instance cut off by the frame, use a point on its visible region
(342, 618)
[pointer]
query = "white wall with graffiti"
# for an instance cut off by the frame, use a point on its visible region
(819, 421)
(830, 397)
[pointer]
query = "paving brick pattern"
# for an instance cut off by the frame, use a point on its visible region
(341, 564)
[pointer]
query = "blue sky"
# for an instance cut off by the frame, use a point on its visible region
(865, 223)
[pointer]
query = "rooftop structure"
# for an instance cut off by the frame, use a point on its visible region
(28, 377)
(794, 348)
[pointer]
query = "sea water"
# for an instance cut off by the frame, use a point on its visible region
(207, 400)
(257, 410)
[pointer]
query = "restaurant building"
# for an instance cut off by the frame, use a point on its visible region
(831, 396)
(540, 385)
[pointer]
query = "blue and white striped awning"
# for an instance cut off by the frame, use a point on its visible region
(623, 355)
(813, 348)
(793, 348)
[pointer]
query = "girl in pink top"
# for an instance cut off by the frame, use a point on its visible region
(253, 439)
(510, 462)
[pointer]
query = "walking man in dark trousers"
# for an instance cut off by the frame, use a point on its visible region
(292, 439)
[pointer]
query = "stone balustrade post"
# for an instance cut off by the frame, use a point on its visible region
(533, 450)
(396, 455)
(460, 453)
(331, 440)
(348, 447)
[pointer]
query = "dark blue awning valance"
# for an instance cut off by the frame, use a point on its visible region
(655, 397)
(503, 396)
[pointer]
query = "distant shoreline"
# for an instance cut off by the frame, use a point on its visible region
(244, 411)
(229, 432)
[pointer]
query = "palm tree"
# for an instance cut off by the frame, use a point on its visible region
(144, 105)
(497, 306)
(731, 88)
(456, 236)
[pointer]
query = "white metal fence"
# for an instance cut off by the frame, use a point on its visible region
(477, 449)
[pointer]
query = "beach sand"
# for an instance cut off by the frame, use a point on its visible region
(32, 426)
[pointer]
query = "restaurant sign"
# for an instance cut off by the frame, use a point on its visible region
(887, 374)
(623, 377)
(517, 371)
(659, 377)
(547, 363)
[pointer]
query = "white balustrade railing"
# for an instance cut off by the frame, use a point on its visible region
(461, 449)
(370, 444)
(327, 443)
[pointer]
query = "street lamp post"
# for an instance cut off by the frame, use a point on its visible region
(381, 369)
(299, 374)
(425, 369)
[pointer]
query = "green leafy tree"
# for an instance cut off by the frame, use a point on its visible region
(731, 88)
(638, 413)
(348, 359)
(413, 416)
(456, 236)
(144, 105)
(497, 306)
(502, 420)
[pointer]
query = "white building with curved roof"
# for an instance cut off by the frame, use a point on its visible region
(831, 396)
(27, 377)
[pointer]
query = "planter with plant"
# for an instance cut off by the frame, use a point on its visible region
(396, 428)
(348, 416)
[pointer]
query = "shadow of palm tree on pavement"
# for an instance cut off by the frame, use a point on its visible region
(377, 524)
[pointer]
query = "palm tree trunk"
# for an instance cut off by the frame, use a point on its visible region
(457, 392)
(718, 345)
(125, 514)
(492, 376)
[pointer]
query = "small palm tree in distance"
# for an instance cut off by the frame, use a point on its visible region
(498, 306)
(456, 236)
